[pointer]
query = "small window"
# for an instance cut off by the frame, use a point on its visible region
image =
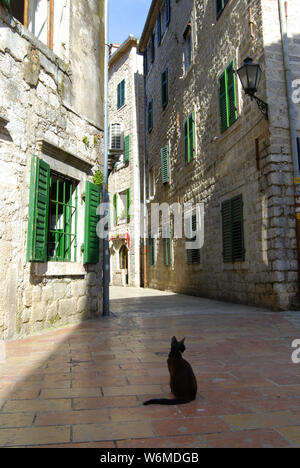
(121, 206)
(121, 94)
(188, 48)
(233, 230)
(220, 5)
(37, 16)
(164, 88)
(227, 97)
(150, 115)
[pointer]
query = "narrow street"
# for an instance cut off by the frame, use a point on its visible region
(83, 386)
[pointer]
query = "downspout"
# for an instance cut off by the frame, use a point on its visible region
(282, 5)
(137, 180)
(145, 234)
(106, 258)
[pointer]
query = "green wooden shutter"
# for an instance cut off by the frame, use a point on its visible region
(159, 28)
(227, 231)
(165, 164)
(191, 137)
(150, 115)
(128, 205)
(123, 93)
(118, 96)
(37, 236)
(127, 148)
(91, 239)
(233, 230)
(164, 88)
(152, 253)
(168, 12)
(222, 101)
(115, 208)
(238, 251)
(231, 94)
(186, 142)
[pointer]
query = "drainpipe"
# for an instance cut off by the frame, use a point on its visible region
(282, 5)
(106, 258)
(145, 193)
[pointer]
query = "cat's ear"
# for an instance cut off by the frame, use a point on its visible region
(181, 345)
(173, 341)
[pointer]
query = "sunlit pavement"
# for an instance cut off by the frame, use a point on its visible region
(83, 386)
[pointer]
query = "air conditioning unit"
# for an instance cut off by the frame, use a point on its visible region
(116, 140)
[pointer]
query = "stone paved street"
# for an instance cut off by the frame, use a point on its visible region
(83, 386)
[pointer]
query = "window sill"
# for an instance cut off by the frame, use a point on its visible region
(228, 132)
(187, 72)
(59, 269)
(236, 266)
(122, 107)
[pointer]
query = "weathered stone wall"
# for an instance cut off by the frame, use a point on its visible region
(128, 66)
(225, 163)
(37, 105)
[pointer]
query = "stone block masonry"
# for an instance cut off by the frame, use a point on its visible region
(251, 158)
(42, 115)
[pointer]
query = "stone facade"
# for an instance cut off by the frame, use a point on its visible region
(50, 107)
(125, 64)
(252, 158)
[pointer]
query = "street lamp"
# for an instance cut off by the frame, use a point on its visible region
(250, 75)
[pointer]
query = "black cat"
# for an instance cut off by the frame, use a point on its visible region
(183, 382)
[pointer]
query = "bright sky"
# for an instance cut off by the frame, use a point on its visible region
(127, 17)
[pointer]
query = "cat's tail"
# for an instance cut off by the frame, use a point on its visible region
(165, 401)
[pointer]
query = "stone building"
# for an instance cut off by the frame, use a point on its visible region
(208, 143)
(126, 149)
(51, 125)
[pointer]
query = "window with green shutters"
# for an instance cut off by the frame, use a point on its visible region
(127, 149)
(150, 115)
(152, 251)
(189, 139)
(165, 164)
(91, 239)
(121, 207)
(233, 230)
(164, 88)
(227, 97)
(121, 94)
(192, 255)
(220, 5)
(53, 217)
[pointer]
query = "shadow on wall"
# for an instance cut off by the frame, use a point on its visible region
(239, 161)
